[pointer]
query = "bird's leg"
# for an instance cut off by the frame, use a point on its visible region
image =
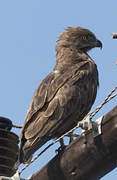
(62, 146)
(62, 143)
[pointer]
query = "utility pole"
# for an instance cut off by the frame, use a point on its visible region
(86, 158)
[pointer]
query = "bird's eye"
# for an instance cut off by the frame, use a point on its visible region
(84, 38)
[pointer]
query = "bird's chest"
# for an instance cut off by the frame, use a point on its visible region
(86, 89)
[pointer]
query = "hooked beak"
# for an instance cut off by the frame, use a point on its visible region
(98, 44)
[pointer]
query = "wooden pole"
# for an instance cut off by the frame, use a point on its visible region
(86, 157)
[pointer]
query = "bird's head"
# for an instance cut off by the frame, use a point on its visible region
(78, 38)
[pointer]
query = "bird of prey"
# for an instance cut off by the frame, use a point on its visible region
(66, 95)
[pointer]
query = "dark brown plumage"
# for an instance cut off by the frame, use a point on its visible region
(66, 95)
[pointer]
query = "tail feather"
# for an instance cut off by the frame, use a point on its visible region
(29, 148)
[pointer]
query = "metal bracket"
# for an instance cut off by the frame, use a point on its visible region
(96, 127)
(86, 125)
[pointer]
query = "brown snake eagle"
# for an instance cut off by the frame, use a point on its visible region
(66, 95)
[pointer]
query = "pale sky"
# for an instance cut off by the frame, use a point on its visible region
(28, 34)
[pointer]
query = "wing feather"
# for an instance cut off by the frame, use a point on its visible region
(52, 100)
